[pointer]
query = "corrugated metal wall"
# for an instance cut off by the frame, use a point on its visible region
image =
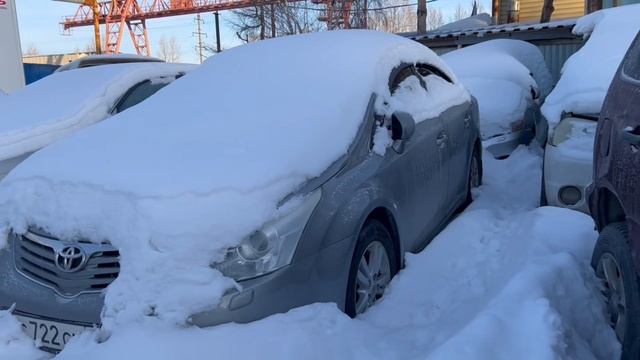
(530, 10)
(555, 54)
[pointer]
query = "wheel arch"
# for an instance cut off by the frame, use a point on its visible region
(385, 216)
(609, 209)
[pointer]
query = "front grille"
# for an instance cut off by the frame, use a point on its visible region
(35, 258)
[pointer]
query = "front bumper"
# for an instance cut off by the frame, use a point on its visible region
(561, 170)
(312, 279)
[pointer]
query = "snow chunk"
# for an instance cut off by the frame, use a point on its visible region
(62, 103)
(381, 140)
(587, 74)
(14, 344)
(205, 162)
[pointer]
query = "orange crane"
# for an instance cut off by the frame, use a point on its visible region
(118, 15)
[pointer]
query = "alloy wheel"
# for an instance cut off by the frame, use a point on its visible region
(609, 270)
(373, 276)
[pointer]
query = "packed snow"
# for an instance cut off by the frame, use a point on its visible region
(177, 185)
(63, 103)
(505, 280)
(586, 75)
(501, 76)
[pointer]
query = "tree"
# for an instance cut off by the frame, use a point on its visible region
(434, 19)
(31, 50)
(395, 16)
(276, 19)
(169, 49)
(459, 13)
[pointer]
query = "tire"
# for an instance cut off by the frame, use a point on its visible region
(373, 235)
(472, 181)
(613, 245)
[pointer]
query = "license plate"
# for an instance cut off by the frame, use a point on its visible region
(49, 334)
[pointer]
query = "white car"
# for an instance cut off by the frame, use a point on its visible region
(568, 158)
(66, 102)
(508, 78)
(573, 106)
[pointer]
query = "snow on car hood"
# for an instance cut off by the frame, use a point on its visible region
(500, 74)
(61, 103)
(205, 162)
(586, 75)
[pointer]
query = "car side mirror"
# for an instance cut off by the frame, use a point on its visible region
(402, 128)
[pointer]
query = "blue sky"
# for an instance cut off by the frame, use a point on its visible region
(39, 26)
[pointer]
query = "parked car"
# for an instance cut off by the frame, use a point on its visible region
(509, 78)
(63, 103)
(614, 202)
(106, 59)
(324, 191)
(573, 107)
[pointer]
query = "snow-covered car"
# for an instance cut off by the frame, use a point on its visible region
(572, 108)
(106, 59)
(63, 103)
(298, 186)
(509, 78)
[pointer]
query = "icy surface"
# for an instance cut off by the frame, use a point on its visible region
(586, 75)
(62, 103)
(501, 75)
(505, 280)
(171, 186)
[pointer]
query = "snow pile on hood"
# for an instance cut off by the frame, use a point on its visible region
(501, 75)
(59, 104)
(505, 280)
(205, 162)
(586, 75)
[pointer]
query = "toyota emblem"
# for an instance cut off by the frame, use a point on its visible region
(70, 258)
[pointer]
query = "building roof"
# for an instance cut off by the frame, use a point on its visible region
(503, 29)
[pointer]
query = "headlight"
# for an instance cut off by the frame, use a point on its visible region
(271, 247)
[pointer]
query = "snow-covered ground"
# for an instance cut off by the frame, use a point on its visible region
(504, 280)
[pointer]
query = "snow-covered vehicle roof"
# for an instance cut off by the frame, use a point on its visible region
(501, 74)
(61, 103)
(586, 75)
(206, 161)
(104, 59)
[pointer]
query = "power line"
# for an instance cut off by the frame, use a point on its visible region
(199, 34)
(358, 10)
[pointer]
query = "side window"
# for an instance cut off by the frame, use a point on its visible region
(631, 65)
(137, 94)
(401, 74)
(425, 70)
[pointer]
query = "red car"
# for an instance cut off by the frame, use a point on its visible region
(614, 201)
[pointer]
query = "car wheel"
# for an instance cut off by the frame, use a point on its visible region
(373, 266)
(613, 264)
(475, 175)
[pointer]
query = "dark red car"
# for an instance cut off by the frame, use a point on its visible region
(614, 201)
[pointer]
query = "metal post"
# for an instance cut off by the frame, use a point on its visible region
(422, 16)
(216, 15)
(96, 25)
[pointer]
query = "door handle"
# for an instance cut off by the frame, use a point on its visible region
(442, 138)
(629, 136)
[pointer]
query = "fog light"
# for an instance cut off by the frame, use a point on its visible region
(570, 195)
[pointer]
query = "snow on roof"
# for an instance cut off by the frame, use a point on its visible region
(61, 103)
(500, 74)
(205, 162)
(471, 22)
(586, 75)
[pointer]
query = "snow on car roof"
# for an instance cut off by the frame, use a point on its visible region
(206, 161)
(56, 105)
(586, 75)
(500, 74)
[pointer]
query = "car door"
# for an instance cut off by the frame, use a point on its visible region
(419, 168)
(622, 115)
(458, 132)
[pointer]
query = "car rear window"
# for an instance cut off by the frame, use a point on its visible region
(631, 65)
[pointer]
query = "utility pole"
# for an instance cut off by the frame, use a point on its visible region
(96, 25)
(422, 16)
(217, 15)
(200, 34)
